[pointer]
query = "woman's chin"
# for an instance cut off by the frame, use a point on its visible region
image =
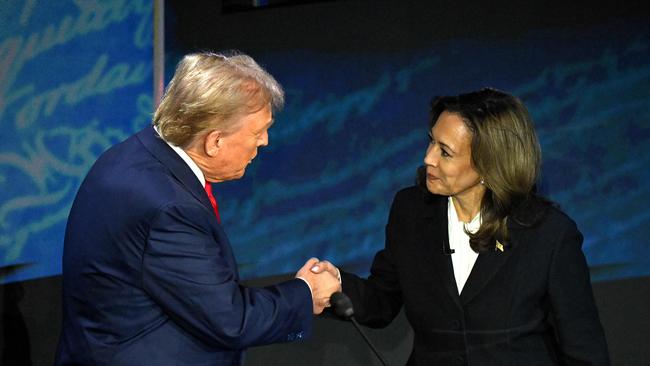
(434, 188)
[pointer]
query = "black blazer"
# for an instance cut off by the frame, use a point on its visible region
(531, 304)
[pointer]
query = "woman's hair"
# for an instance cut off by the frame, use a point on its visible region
(505, 153)
(210, 91)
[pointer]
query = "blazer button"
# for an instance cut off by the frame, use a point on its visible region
(455, 325)
(460, 360)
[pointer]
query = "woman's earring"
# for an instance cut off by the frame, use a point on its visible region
(482, 181)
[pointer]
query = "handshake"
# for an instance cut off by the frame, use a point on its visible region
(323, 279)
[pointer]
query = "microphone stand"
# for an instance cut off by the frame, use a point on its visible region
(354, 321)
(343, 308)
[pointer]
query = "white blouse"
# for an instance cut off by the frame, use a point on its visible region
(463, 257)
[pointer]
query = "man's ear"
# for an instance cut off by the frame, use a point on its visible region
(212, 143)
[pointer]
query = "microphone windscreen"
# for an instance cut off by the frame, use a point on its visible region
(342, 305)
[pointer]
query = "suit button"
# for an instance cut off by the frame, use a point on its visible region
(459, 360)
(455, 325)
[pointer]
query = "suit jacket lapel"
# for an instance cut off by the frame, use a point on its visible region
(487, 265)
(434, 237)
(178, 168)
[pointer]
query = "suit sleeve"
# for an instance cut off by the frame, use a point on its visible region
(191, 276)
(581, 336)
(378, 299)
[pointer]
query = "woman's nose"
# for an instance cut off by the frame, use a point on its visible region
(430, 157)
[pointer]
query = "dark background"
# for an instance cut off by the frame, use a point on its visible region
(31, 319)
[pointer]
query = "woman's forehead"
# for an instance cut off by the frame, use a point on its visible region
(451, 130)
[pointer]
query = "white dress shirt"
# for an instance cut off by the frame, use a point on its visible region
(463, 257)
(186, 158)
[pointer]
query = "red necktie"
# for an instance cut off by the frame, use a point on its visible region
(213, 201)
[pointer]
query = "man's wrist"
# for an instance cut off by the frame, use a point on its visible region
(308, 285)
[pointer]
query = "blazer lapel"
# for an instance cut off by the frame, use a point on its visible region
(178, 168)
(487, 265)
(434, 238)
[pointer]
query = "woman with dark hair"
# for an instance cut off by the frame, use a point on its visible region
(488, 272)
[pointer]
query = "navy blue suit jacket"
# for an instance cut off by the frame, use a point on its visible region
(149, 277)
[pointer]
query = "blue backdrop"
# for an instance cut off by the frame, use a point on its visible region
(75, 78)
(355, 130)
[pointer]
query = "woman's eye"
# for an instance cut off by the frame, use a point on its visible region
(444, 153)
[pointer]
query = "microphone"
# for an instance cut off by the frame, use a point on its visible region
(446, 249)
(343, 307)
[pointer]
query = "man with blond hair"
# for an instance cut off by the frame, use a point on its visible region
(149, 276)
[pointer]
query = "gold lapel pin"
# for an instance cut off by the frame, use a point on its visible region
(499, 247)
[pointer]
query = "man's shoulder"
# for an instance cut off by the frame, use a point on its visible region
(122, 150)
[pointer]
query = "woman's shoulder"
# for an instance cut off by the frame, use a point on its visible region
(409, 193)
(417, 195)
(539, 212)
(556, 217)
(412, 202)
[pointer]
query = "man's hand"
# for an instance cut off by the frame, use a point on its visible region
(322, 284)
(326, 266)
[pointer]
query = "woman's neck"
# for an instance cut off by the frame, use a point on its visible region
(468, 205)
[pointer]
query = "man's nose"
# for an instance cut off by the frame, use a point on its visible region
(264, 140)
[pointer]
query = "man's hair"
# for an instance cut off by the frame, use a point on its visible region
(210, 91)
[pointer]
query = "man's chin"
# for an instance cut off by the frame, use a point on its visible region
(232, 176)
(236, 175)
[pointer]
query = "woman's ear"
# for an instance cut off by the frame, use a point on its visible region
(212, 143)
